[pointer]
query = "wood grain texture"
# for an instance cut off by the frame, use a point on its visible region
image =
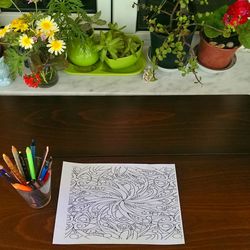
(129, 125)
(207, 137)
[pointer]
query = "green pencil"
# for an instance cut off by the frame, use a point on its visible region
(31, 164)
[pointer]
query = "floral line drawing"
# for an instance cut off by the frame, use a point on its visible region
(124, 202)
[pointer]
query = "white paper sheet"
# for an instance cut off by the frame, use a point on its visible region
(118, 204)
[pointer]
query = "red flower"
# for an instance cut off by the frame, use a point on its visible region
(237, 13)
(32, 80)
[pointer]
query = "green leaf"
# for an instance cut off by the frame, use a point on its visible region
(244, 34)
(103, 55)
(5, 3)
(213, 23)
(15, 61)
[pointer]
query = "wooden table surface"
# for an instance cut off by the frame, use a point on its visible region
(207, 137)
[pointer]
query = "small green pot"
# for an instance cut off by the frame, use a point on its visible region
(124, 62)
(82, 54)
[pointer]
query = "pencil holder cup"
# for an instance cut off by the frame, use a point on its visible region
(39, 194)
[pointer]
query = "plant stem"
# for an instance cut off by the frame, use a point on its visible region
(15, 6)
(172, 15)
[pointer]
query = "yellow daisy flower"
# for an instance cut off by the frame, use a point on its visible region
(2, 33)
(14, 22)
(19, 24)
(7, 28)
(25, 41)
(4, 30)
(46, 25)
(23, 26)
(56, 46)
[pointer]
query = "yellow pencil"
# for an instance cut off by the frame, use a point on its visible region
(13, 169)
(17, 160)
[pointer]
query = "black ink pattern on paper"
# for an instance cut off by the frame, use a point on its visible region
(123, 203)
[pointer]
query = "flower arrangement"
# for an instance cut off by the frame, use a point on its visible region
(229, 25)
(34, 38)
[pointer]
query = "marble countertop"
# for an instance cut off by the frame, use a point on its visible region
(233, 81)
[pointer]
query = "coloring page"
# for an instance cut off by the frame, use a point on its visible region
(118, 204)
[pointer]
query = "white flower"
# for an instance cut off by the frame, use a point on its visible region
(47, 25)
(26, 42)
(56, 46)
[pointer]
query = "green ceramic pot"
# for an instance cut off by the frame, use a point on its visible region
(124, 62)
(82, 54)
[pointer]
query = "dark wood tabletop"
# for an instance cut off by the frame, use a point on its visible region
(207, 137)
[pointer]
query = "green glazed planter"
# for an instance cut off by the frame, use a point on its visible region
(124, 62)
(82, 55)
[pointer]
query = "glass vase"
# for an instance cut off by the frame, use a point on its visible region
(44, 68)
(49, 76)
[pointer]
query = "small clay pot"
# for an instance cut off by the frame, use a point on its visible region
(213, 57)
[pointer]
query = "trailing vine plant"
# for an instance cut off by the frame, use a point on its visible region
(178, 25)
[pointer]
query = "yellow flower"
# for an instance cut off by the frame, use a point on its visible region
(47, 25)
(23, 26)
(19, 24)
(25, 41)
(4, 30)
(2, 33)
(56, 46)
(14, 23)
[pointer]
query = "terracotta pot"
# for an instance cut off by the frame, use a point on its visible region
(213, 57)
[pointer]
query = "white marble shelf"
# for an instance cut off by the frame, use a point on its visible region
(234, 81)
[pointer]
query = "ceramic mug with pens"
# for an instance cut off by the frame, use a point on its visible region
(38, 193)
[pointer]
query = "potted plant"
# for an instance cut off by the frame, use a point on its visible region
(78, 31)
(171, 25)
(34, 39)
(117, 49)
(223, 31)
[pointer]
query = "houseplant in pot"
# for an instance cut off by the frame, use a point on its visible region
(223, 31)
(171, 26)
(78, 30)
(117, 49)
(33, 39)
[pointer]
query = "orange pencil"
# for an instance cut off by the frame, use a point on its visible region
(13, 169)
(22, 187)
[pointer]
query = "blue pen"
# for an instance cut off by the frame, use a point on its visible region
(45, 169)
(7, 176)
(44, 172)
(33, 149)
